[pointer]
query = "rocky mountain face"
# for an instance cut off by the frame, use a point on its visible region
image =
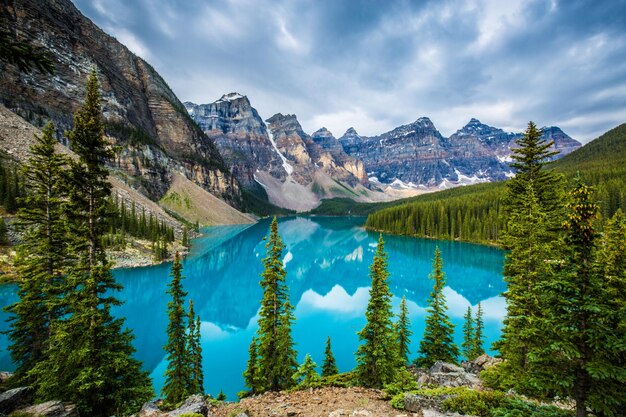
(150, 127)
(417, 155)
(294, 168)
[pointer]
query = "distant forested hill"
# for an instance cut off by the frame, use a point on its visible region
(472, 213)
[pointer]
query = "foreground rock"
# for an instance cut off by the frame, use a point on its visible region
(194, 404)
(481, 363)
(15, 398)
(446, 375)
(49, 409)
(426, 407)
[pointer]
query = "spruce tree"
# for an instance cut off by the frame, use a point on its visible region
(580, 340)
(194, 348)
(90, 359)
(438, 341)
(378, 356)
(177, 376)
(404, 331)
(250, 375)
(275, 352)
(306, 375)
(4, 238)
(329, 368)
(533, 205)
(468, 335)
(478, 339)
(41, 262)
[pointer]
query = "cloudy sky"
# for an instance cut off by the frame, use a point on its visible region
(377, 64)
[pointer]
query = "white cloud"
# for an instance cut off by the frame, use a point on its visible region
(131, 42)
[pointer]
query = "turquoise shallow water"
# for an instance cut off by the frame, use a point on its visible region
(327, 262)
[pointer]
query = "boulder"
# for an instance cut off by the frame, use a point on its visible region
(15, 398)
(150, 409)
(416, 403)
(446, 368)
(194, 404)
(50, 409)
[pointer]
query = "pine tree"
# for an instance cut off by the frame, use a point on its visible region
(329, 368)
(90, 359)
(185, 240)
(277, 357)
(306, 376)
(41, 262)
(378, 356)
(534, 208)
(177, 375)
(468, 335)
(580, 342)
(404, 331)
(250, 375)
(194, 354)
(438, 342)
(221, 396)
(4, 238)
(478, 339)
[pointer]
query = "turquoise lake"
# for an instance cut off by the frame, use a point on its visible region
(327, 261)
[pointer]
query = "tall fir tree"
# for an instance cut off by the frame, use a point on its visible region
(178, 373)
(534, 210)
(478, 339)
(438, 341)
(276, 355)
(404, 331)
(90, 353)
(579, 342)
(378, 356)
(41, 263)
(468, 335)
(329, 368)
(194, 352)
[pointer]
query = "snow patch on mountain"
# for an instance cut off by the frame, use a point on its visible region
(288, 168)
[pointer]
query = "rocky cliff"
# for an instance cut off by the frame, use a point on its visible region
(418, 156)
(293, 168)
(153, 131)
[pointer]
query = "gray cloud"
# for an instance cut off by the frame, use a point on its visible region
(375, 65)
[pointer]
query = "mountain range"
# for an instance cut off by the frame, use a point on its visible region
(174, 153)
(287, 162)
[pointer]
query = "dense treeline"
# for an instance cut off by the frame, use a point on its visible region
(129, 221)
(465, 217)
(473, 213)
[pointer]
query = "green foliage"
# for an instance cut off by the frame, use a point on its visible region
(221, 396)
(89, 357)
(344, 380)
(468, 335)
(194, 352)
(178, 374)
(4, 238)
(403, 329)
(276, 357)
(513, 407)
(478, 339)
(404, 381)
(437, 344)
(41, 261)
(472, 402)
(457, 215)
(306, 375)
(22, 54)
(251, 373)
(329, 367)
(11, 186)
(378, 356)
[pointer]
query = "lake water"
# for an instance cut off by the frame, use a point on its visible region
(327, 261)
